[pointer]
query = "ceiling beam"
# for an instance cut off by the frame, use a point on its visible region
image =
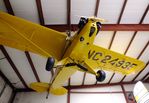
(124, 92)
(134, 35)
(69, 13)
(122, 11)
(110, 92)
(40, 12)
(83, 81)
(24, 90)
(100, 85)
(143, 79)
(68, 17)
(144, 14)
(147, 44)
(82, 86)
(8, 7)
(123, 78)
(69, 81)
(111, 78)
(105, 27)
(32, 65)
(97, 8)
(6, 80)
(125, 27)
(115, 31)
(12, 97)
(147, 80)
(112, 39)
(68, 96)
(13, 65)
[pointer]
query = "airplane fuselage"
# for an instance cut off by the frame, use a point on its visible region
(81, 44)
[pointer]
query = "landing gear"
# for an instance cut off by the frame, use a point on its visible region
(101, 75)
(50, 64)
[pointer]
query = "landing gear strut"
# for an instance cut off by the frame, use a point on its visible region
(50, 64)
(101, 75)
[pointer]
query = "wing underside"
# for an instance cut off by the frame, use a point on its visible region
(100, 58)
(27, 36)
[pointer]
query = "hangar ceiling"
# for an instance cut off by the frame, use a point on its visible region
(22, 68)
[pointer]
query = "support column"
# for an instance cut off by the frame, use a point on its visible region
(124, 92)
(68, 96)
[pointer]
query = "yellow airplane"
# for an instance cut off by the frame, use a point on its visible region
(80, 55)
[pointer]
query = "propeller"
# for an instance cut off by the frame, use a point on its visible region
(98, 19)
(94, 18)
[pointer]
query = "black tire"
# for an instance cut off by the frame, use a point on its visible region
(101, 77)
(50, 64)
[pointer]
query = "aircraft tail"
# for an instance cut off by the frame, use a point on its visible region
(46, 87)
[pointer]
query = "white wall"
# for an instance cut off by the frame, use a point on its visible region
(4, 98)
(33, 97)
(97, 98)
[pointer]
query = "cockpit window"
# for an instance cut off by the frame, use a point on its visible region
(82, 23)
(98, 26)
(92, 30)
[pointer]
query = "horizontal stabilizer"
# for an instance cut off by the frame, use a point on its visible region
(58, 91)
(39, 86)
(45, 87)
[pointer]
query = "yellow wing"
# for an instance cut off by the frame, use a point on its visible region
(100, 58)
(27, 36)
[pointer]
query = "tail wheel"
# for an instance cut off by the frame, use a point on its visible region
(101, 75)
(50, 64)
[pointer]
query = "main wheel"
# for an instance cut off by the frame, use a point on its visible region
(101, 76)
(50, 64)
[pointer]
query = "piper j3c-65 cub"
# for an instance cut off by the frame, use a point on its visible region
(80, 55)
